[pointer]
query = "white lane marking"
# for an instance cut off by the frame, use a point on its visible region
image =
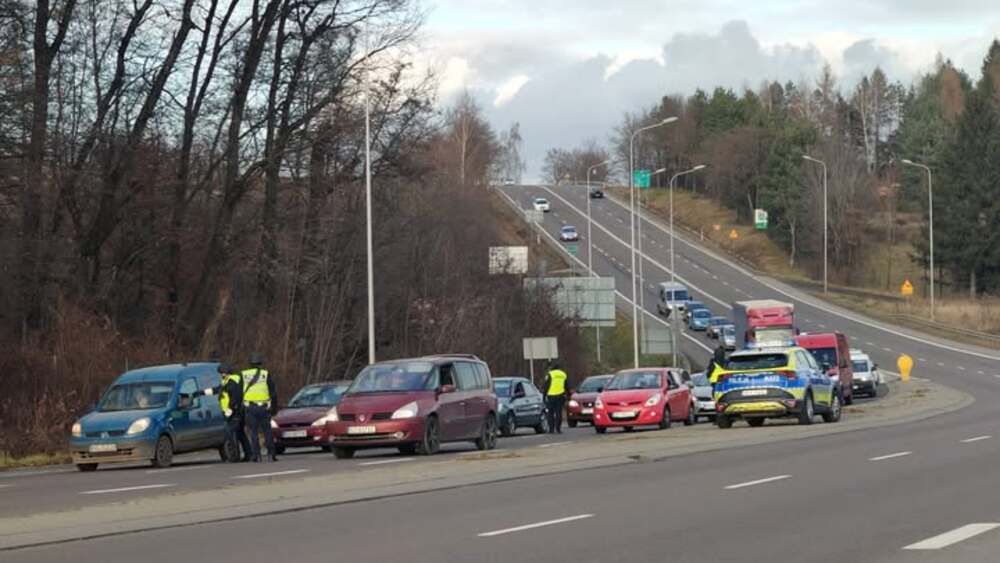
(758, 482)
(887, 349)
(922, 360)
(273, 474)
(981, 372)
(953, 537)
(889, 456)
(535, 525)
(177, 469)
(127, 489)
(5, 486)
(976, 439)
(870, 343)
(996, 375)
(821, 325)
(552, 445)
(961, 368)
(387, 461)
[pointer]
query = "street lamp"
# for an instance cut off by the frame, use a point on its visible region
(590, 249)
(631, 193)
(825, 217)
(930, 220)
(673, 180)
(368, 227)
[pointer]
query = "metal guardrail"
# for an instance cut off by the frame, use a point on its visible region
(948, 328)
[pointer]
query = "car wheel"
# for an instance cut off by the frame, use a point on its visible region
(432, 437)
(407, 449)
(326, 449)
(509, 425)
(86, 467)
(571, 423)
(664, 422)
(229, 451)
(163, 453)
(343, 453)
(278, 450)
(723, 421)
(487, 434)
(808, 411)
(756, 422)
(600, 429)
(692, 416)
(833, 415)
(543, 424)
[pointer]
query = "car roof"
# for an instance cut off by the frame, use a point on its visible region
(720, 317)
(169, 372)
(511, 378)
(601, 376)
(766, 350)
(565, 227)
(434, 358)
(539, 198)
(856, 355)
(672, 285)
(326, 383)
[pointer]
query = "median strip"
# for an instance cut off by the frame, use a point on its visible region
(889, 456)
(535, 525)
(128, 489)
(758, 482)
(953, 537)
(274, 474)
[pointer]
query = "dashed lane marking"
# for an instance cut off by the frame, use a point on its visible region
(273, 474)
(954, 536)
(535, 525)
(758, 482)
(889, 456)
(976, 439)
(128, 489)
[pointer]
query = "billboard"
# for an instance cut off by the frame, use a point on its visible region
(591, 300)
(508, 260)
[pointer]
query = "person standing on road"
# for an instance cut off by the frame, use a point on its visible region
(715, 364)
(260, 399)
(231, 401)
(555, 396)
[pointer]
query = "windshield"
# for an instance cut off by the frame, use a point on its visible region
(701, 314)
(503, 387)
(143, 395)
(318, 396)
(860, 366)
(825, 356)
(593, 384)
(540, 200)
(700, 380)
(729, 330)
(569, 229)
(635, 380)
(756, 361)
(392, 377)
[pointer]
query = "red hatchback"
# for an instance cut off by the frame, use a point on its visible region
(416, 405)
(302, 423)
(644, 397)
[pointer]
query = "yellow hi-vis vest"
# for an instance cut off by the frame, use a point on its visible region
(224, 395)
(557, 382)
(258, 392)
(713, 378)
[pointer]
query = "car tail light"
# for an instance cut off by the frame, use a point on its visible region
(788, 374)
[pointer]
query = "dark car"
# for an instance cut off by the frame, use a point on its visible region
(715, 325)
(581, 403)
(519, 404)
(596, 194)
(302, 423)
(415, 405)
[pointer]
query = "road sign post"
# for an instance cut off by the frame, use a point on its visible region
(641, 179)
(760, 219)
(545, 348)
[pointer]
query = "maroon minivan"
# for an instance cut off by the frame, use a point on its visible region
(415, 405)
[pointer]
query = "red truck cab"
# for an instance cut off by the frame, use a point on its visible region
(764, 322)
(831, 351)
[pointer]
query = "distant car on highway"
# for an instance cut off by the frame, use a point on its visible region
(568, 233)
(727, 334)
(541, 204)
(580, 407)
(715, 324)
(150, 414)
(596, 194)
(415, 405)
(672, 296)
(699, 319)
(508, 181)
(702, 391)
(764, 383)
(519, 404)
(643, 397)
(693, 306)
(303, 422)
(833, 353)
(867, 377)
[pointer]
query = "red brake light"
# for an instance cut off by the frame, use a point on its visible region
(789, 374)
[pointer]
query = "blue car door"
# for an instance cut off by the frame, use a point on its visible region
(185, 419)
(213, 422)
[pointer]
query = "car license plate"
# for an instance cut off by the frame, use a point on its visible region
(103, 448)
(623, 414)
(361, 430)
(295, 434)
(587, 411)
(754, 392)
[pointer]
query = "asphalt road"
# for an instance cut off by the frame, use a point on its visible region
(918, 492)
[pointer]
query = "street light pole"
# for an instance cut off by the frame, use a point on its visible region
(930, 220)
(631, 194)
(825, 218)
(368, 228)
(590, 251)
(673, 181)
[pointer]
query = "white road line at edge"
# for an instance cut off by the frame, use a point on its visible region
(758, 482)
(953, 537)
(553, 444)
(127, 489)
(976, 439)
(535, 525)
(273, 474)
(889, 456)
(387, 461)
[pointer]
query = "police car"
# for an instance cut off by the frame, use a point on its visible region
(763, 383)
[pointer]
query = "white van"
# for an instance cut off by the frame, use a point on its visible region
(672, 296)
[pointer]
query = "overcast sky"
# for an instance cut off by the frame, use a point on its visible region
(568, 69)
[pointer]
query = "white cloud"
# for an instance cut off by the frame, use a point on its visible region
(509, 89)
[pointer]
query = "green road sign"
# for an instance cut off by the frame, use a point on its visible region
(640, 178)
(572, 248)
(760, 219)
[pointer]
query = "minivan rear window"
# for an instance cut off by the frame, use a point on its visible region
(757, 361)
(392, 377)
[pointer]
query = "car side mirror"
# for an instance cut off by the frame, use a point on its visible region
(446, 389)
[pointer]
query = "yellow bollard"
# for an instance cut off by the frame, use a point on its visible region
(905, 365)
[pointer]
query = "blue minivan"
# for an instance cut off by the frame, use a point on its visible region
(150, 414)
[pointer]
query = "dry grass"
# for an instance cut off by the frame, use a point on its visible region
(35, 460)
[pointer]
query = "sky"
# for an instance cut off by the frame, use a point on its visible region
(568, 70)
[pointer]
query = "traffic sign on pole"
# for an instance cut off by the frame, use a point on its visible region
(760, 219)
(640, 179)
(572, 248)
(906, 289)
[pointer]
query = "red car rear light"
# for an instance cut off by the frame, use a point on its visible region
(789, 374)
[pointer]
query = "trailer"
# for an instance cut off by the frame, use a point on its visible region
(763, 322)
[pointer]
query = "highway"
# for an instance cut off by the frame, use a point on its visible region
(918, 492)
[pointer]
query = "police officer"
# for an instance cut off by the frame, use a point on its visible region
(260, 401)
(231, 401)
(555, 396)
(716, 363)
